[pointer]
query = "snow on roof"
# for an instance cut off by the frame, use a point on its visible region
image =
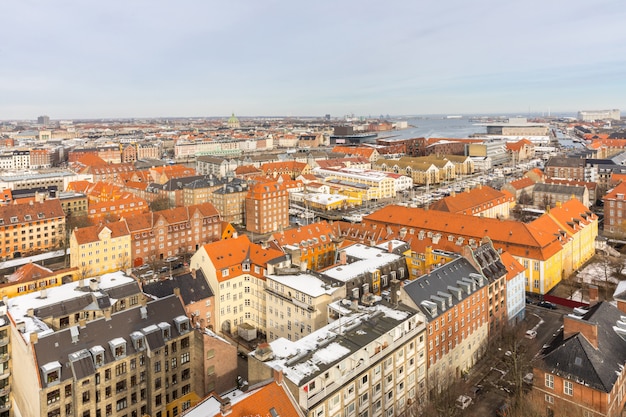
(304, 283)
(18, 306)
(307, 356)
(368, 259)
(211, 406)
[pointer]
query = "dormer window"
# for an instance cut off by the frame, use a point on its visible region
(138, 339)
(166, 330)
(51, 373)
(40, 215)
(182, 324)
(97, 353)
(14, 219)
(118, 347)
(27, 217)
(245, 266)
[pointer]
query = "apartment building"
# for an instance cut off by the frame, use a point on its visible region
(230, 200)
(235, 270)
(297, 303)
(267, 207)
(21, 181)
(482, 201)
(291, 168)
(137, 360)
(178, 231)
(515, 294)
(454, 302)
(31, 227)
(127, 205)
(99, 249)
(74, 204)
(213, 165)
(41, 158)
(550, 194)
(568, 168)
(371, 362)
(110, 153)
(313, 246)
(615, 211)
(571, 377)
(423, 170)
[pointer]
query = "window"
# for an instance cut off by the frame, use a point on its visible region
(568, 387)
(184, 358)
(549, 399)
(54, 396)
(550, 381)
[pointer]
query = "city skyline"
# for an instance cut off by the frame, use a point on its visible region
(72, 60)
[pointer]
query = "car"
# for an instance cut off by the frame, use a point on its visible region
(547, 304)
(142, 267)
(163, 269)
(530, 334)
(171, 258)
(147, 274)
(463, 401)
(178, 265)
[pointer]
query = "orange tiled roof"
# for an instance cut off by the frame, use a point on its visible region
(518, 238)
(513, 268)
(620, 189)
(304, 233)
(522, 183)
(30, 272)
(474, 199)
(90, 234)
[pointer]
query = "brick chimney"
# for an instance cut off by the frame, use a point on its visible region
(278, 375)
(390, 246)
(572, 325)
(343, 258)
(225, 407)
(593, 294)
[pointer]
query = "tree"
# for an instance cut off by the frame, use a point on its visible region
(442, 400)
(160, 203)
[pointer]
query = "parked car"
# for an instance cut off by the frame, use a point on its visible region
(163, 269)
(476, 390)
(463, 401)
(178, 265)
(142, 267)
(530, 334)
(147, 274)
(171, 258)
(547, 304)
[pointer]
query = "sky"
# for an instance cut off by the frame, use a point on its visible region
(72, 59)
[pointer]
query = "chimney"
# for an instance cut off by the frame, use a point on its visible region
(593, 294)
(93, 285)
(390, 246)
(43, 293)
(34, 337)
(573, 325)
(176, 291)
(82, 323)
(394, 291)
(343, 258)
(225, 407)
(278, 375)
(107, 314)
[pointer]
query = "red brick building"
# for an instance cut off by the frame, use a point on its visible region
(267, 207)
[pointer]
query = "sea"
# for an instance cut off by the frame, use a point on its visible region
(437, 127)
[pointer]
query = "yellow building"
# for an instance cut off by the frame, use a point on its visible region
(96, 250)
(32, 277)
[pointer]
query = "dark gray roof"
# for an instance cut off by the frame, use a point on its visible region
(191, 290)
(576, 359)
(59, 347)
(489, 261)
(457, 280)
(559, 161)
(559, 189)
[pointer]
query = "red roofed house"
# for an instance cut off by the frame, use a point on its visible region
(32, 277)
(314, 245)
(522, 189)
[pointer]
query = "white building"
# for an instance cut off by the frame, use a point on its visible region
(591, 115)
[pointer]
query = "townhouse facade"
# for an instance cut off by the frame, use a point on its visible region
(6, 365)
(230, 200)
(372, 362)
(615, 211)
(378, 184)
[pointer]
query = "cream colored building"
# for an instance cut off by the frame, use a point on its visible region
(297, 304)
(235, 269)
(372, 362)
(378, 185)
